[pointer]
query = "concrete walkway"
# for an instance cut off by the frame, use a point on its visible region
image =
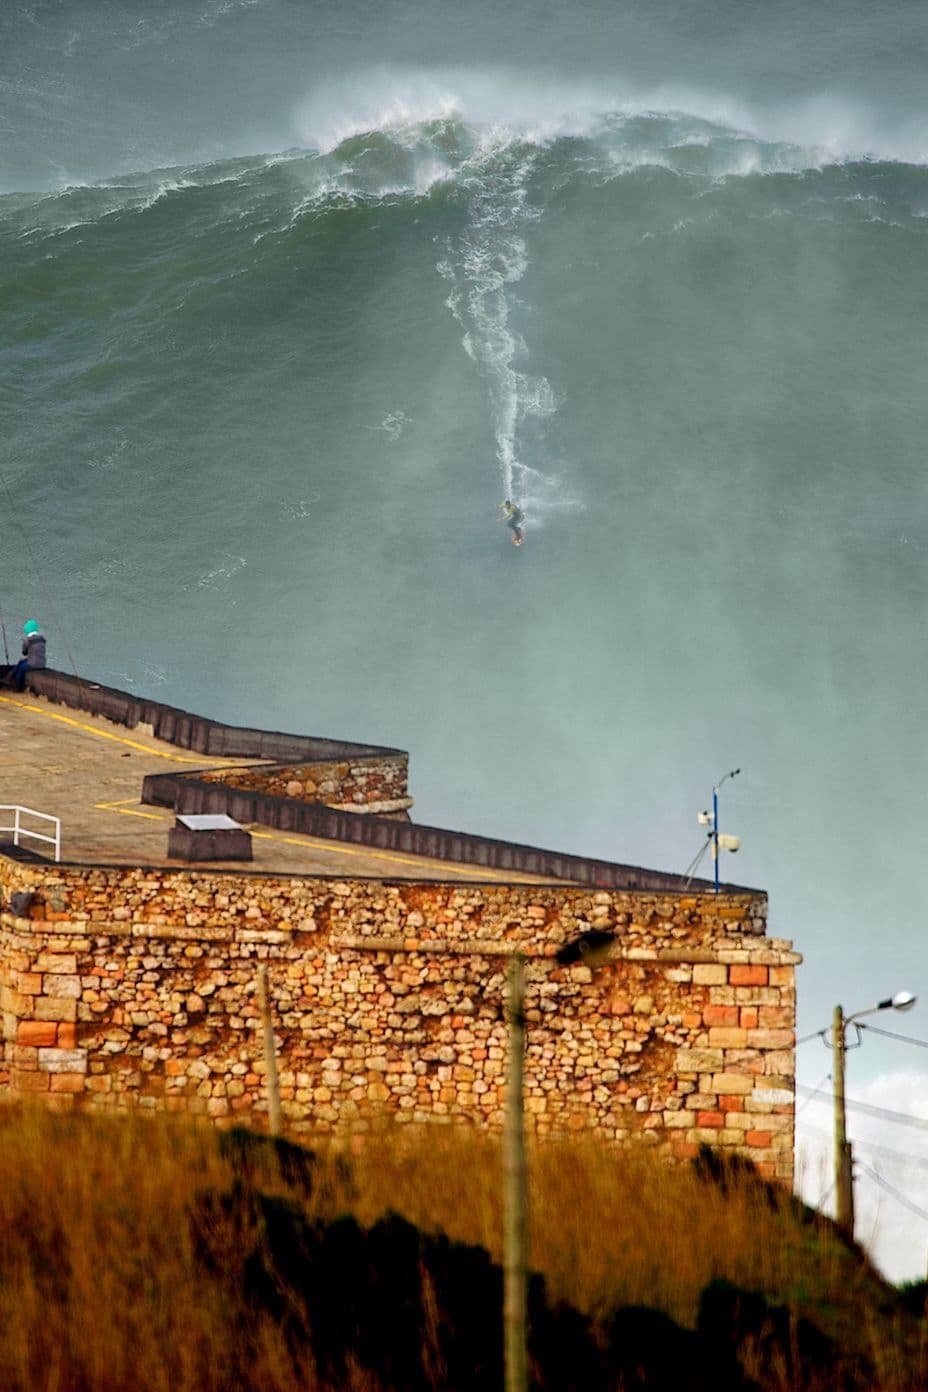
(89, 773)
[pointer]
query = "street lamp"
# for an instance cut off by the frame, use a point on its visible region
(844, 1173)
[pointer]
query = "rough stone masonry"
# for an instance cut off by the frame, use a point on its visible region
(136, 987)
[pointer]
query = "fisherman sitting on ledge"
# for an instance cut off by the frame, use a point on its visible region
(33, 658)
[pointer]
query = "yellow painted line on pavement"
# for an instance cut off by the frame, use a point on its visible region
(125, 811)
(104, 734)
(334, 847)
(421, 862)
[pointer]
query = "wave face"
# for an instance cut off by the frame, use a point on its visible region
(152, 259)
(295, 296)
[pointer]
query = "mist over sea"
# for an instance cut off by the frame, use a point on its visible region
(294, 295)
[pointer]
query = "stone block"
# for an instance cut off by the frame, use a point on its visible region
(782, 976)
(770, 1038)
(27, 983)
(698, 1060)
(64, 987)
(59, 964)
(15, 1002)
(25, 1080)
(727, 1038)
(726, 1015)
(67, 1082)
(36, 1033)
(710, 974)
(702, 1102)
(756, 995)
(732, 1083)
(63, 1060)
(750, 975)
(776, 1017)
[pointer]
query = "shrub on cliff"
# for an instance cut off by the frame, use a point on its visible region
(156, 1255)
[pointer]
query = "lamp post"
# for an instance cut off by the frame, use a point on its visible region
(716, 841)
(720, 843)
(844, 1160)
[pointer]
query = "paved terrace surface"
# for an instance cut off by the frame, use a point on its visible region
(89, 772)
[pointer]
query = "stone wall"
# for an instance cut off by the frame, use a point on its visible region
(137, 987)
(377, 786)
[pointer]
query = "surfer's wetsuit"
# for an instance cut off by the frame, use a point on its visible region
(514, 518)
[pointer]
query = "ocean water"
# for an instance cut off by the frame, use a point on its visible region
(294, 296)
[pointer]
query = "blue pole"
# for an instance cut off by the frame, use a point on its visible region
(715, 833)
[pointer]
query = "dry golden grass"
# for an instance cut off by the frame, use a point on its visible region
(101, 1286)
(606, 1229)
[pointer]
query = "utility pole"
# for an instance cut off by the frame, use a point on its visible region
(844, 1171)
(515, 1256)
(844, 1159)
(270, 1054)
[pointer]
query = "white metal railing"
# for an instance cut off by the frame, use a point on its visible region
(19, 830)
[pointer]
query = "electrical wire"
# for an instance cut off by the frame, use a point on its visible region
(901, 1118)
(890, 1034)
(819, 1034)
(896, 1194)
(919, 1161)
(813, 1094)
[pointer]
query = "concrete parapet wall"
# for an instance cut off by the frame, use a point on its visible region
(136, 987)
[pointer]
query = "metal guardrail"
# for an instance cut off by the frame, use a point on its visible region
(19, 830)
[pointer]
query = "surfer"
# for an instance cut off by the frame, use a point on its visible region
(514, 519)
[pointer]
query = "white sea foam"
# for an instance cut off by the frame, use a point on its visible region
(393, 424)
(302, 507)
(431, 127)
(832, 128)
(482, 265)
(229, 566)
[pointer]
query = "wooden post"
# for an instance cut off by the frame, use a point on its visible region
(515, 1257)
(844, 1165)
(270, 1054)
